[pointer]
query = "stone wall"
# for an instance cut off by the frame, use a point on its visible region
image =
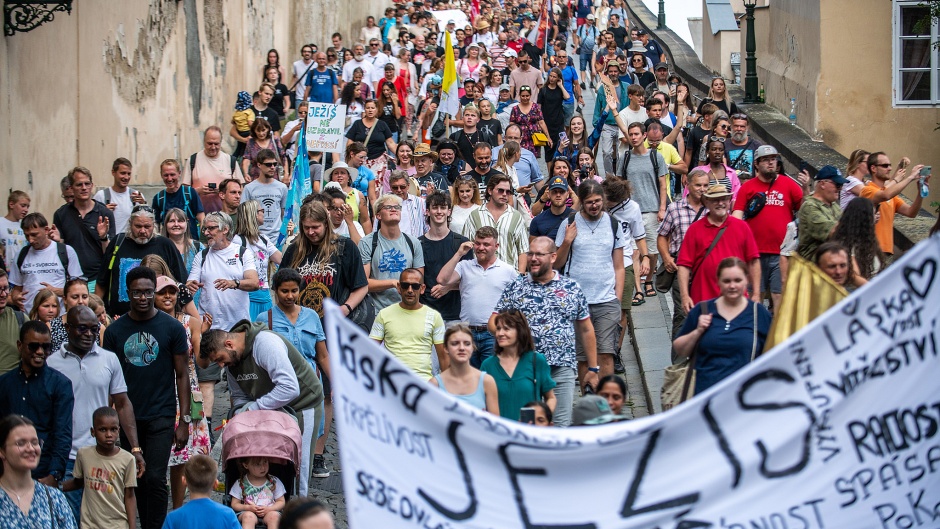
(141, 79)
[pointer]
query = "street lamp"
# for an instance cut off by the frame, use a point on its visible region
(750, 46)
(662, 16)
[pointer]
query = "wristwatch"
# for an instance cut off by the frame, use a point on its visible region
(56, 475)
(187, 418)
(238, 284)
(105, 238)
(595, 369)
(137, 450)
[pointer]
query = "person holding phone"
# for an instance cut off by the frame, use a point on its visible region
(208, 168)
(884, 191)
(724, 333)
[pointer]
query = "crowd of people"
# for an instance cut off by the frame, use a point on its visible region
(440, 236)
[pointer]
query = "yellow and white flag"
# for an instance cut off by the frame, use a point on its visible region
(450, 98)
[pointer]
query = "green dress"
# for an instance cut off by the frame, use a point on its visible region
(531, 379)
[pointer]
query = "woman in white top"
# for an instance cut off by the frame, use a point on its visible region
(469, 67)
(465, 195)
(491, 91)
(247, 221)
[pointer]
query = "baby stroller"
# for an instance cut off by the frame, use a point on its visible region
(263, 433)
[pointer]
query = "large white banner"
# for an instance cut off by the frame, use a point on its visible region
(325, 126)
(839, 427)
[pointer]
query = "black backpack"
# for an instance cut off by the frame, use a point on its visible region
(614, 229)
(192, 164)
(61, 250)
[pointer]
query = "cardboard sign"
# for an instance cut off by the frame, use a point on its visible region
(325, 127)
(837, 427)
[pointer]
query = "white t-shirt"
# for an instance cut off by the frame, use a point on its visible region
(343, 229)
(12, 240)
(459, 216)
(43, 266)
(262, 250)
(480, 289)
(273, 198)
(210, 171)
(229, 306)
(122, 213)
(351, 66)
(629, 116)
(299, 67)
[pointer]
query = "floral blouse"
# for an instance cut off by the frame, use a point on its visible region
(49, 510)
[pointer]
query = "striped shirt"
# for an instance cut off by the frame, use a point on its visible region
(679, 216)
(513, 234)
(412, 217)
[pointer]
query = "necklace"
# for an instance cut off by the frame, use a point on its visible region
(10, 491)
(597, 223)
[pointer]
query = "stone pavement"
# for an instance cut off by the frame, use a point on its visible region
(652, 322)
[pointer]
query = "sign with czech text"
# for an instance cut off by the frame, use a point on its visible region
(325, 126)
(838, 427)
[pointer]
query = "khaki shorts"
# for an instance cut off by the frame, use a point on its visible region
(606, 319)
(629, 278)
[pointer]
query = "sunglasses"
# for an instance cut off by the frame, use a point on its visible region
(391, 208)
(882, 165)
(85, 329)
(716, 138)
(269, 164)
(739, 116)
(500, 191)
(35, 346)
(723, 127)
(142, 207)
(410, 286)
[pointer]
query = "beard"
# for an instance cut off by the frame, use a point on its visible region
(739, 137)
(142, 240)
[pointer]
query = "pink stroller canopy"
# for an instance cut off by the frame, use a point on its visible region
(262, 433)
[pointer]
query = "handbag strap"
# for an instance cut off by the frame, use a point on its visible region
(702, 306)
(535, 379)
(369, 134)
(754, 343)
(707, 252)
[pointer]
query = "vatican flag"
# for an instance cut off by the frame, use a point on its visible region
(450, 98)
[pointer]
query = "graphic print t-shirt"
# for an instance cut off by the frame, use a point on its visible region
(145, 350)
(333, 279)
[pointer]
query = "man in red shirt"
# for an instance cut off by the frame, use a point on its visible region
(710, 240)
(781, 197)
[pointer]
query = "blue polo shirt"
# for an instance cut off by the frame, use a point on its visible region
(569, 76)
(321, 85)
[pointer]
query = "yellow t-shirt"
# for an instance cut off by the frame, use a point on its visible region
(670, 155)
(410, 335)
(242, 120)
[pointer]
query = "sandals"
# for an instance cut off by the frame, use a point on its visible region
(650, 291)
(638, 299)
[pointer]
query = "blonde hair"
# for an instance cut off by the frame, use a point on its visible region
(455, 195)
(41, 297)
(246, 223)
(510, 149)
(315, 211)
(158, 265)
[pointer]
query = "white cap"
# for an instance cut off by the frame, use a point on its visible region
(590, 16)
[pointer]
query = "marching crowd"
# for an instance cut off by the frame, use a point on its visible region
(438, 235)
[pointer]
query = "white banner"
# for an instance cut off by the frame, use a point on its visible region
(325, 126)
(835, 428)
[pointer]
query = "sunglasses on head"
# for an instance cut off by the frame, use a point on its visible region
(716, 138)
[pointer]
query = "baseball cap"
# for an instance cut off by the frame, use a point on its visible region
(591, 16)
(164, 281)
(503, 87)
(510, 53)
(558, 183)
(717, 191)
(662, 66)
(830, 172)
(451, 22)
(765, 150)
(593, 409)
(641, 32)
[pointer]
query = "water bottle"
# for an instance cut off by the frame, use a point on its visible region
(793, 111)
(761, 96)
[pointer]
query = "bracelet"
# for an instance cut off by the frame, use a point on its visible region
(348, 307)
(137, 450)
(595, 369)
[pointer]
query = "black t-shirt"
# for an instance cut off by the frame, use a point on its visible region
(336, 279)
(490, 128)
(358, 132)
(129, 255)
(546, 223)
(436, 255)
(465, 142)
(646, 78)
(482, 180)
(721, 106)
(145, 350)
(620, 35)
(388, 116)
(269, 115)
(551, 102)
(694, 142)
(277, 102)
(81, 233)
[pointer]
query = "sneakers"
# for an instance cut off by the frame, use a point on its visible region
(319, 467)
(618, 365)
(582, 86)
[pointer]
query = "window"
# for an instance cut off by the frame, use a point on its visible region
(916, 71)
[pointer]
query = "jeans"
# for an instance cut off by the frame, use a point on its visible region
(568, 111)
(585, 63)
(565, 379)
(608, 149)
(313, 422)
(156, 439)
(75, 497)
(485, 344)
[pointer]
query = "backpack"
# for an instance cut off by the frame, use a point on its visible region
(107, 194)
(614, 229)
(61, 251)
(241, 253)
(192, 166)
(160, 202)
(626, 162)
(438, 130)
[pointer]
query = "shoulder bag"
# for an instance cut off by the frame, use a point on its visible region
(707, 252)
(679, 378)
(664, 278)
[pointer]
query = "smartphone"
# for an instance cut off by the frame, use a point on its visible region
(925, 170)
(527, 415)
(562, 137)
(804, 166)
(212, 185)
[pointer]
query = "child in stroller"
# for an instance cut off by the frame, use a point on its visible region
(257, 496)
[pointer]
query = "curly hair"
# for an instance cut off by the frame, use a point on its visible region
(856, 232)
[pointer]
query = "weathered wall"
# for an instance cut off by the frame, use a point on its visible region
(141, 79)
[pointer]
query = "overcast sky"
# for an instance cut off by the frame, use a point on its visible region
(677, 11)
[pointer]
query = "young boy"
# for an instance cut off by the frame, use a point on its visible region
(108, 476)
(199, 476)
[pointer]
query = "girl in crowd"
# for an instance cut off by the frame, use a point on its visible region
(165, 299)
(377, 138)
(365, 88)
(682, 107)
(717, 169)
(352, 98)
(75, 292)
(403, 159)
(489, 125)
(247, 221)
(465, 195)
(24, 501)
(280, 103)
(724, 333)
(363, 178)
(273, 60)
(390, 108)
(332, 62)
(462, 380)
(577, 139)
(856, 232)
(261, 138)
(528, 115)
(96, 304)
(176, 228)
(339, 173)
(559, 167)
(491, 91)
(614, 389)
(543, 414)
(521, 374)
(45, 306)
(718, 94)
(551, 98)
(469, 67)
(857, 174)
(508, 156)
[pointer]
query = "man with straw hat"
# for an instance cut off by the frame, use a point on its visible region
(428, 179)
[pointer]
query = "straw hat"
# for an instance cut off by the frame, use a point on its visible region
(423, 149)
